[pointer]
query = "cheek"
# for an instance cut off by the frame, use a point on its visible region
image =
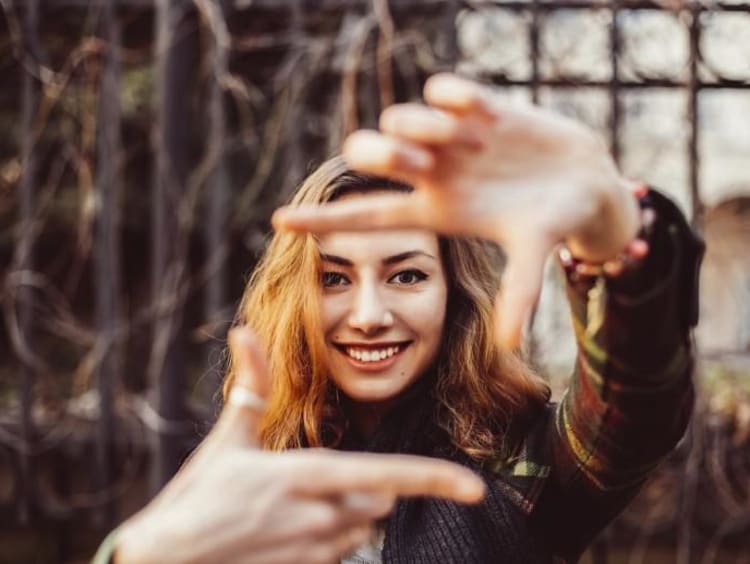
(332, 310)
(427, 315)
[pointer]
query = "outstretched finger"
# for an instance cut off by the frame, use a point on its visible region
(246, 399)
(359, 214)
(521, 287)
(460, 96)
(396, 475)
(424, 125)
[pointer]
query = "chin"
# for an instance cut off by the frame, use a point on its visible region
(371, 392)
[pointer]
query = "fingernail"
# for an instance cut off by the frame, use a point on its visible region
(640, 190)
(638, 248)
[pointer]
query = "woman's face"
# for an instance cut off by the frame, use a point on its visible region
(384, 298)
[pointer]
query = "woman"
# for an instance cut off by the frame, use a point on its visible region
(395, 351)
(384, 340)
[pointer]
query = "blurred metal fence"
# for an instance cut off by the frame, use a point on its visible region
(190, 189)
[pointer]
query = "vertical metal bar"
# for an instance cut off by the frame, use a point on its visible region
(693, 140)
(614, 88)
(25, 258)
(107, 253)
(535, 49)
(174, 42)
(689, 486)
(450, 39)
(531, 343)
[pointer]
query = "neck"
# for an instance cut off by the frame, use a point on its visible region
(366, 416)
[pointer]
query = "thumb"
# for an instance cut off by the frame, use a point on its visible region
(521, 286)
(245, 404)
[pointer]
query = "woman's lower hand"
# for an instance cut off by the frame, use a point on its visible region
(523, 177)
(234, 503)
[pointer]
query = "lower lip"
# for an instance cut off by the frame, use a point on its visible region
(375, 365)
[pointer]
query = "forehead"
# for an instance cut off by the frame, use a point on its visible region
(375, 245)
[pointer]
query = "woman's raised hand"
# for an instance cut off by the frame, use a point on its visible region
(234, 503)
(523, 177)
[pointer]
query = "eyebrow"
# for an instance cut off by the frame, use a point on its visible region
(395, 259)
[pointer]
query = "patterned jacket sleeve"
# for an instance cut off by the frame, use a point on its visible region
(631, 395)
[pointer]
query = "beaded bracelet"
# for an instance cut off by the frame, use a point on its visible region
(633, 255)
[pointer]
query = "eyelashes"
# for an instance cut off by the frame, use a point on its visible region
(407, 277)
(331, 279)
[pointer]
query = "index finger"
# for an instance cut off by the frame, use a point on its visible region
(360, 214)
(389, 474)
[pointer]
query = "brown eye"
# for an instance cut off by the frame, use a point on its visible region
(332, 278)
(408, 277)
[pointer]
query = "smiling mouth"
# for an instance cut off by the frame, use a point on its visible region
(374, 354)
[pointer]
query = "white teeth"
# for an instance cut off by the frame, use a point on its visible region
(366, 355)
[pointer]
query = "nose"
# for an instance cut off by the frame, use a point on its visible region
(370, 313)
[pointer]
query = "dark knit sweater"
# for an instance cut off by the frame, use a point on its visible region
(430, 530)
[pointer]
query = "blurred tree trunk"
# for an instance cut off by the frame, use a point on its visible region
(175, 59)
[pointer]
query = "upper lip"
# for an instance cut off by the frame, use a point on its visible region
(376, 346)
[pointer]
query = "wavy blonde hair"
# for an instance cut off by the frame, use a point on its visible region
(487, 396)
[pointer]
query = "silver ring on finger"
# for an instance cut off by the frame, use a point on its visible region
(242, 397)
